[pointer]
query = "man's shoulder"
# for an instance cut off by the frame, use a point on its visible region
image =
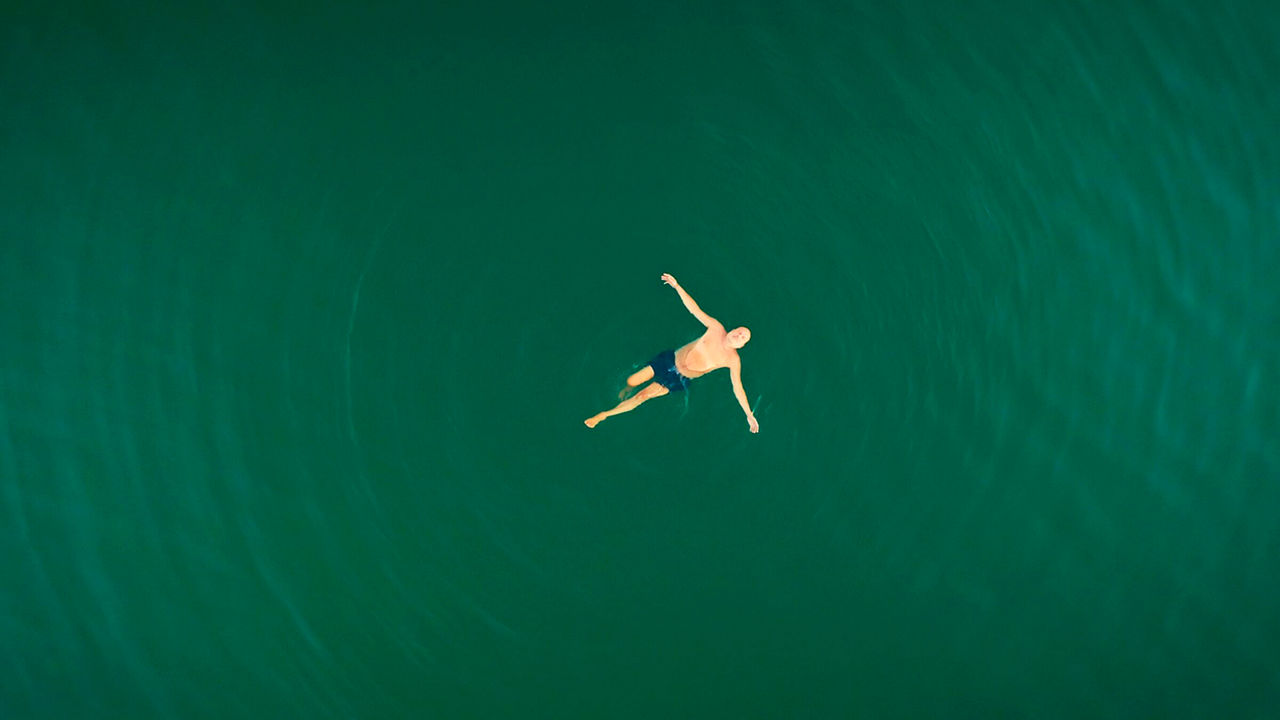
(713, 332)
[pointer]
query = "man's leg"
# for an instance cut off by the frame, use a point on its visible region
(652, 391)
(637, 379)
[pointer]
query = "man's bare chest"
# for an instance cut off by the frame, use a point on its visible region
(702, 356)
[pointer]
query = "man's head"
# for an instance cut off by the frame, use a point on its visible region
(738, 337)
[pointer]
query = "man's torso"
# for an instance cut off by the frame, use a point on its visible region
(705, 354)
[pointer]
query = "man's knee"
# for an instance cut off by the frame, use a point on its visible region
(640, 376)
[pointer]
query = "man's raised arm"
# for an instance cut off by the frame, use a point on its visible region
(692, 306)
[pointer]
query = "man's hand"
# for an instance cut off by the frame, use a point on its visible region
(755, 426)
(668, 279)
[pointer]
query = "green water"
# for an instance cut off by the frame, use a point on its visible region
(303, 310)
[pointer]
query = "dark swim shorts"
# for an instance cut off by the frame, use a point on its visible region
(665, 373)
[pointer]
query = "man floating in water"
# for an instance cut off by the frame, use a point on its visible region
(672, 370)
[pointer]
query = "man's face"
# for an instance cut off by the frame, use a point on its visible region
(739, 337)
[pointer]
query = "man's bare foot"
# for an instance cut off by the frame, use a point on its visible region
(593, 420)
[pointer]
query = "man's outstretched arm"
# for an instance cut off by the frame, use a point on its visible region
(735, 374)
(692, 306)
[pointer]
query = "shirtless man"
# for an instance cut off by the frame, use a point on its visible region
(672, 370)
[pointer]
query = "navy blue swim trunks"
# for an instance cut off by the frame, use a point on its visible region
(665, 373)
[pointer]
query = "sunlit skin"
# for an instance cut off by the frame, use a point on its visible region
(717, 348)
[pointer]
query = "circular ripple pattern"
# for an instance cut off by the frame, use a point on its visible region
(303, 315)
